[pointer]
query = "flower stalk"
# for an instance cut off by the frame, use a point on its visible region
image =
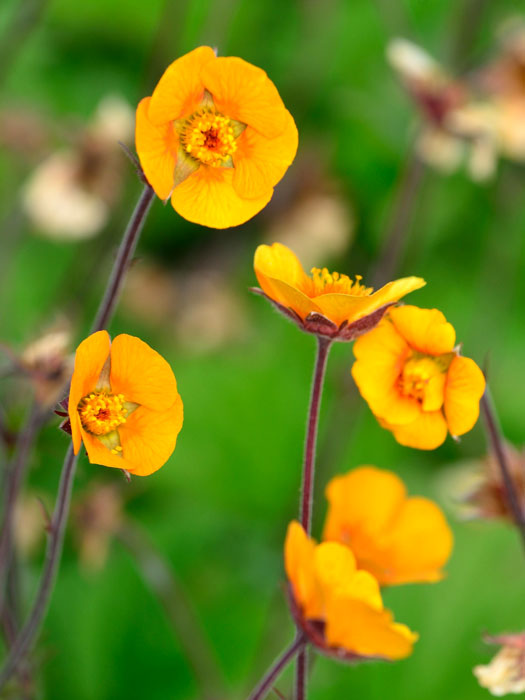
(265, 684)
(26, 637)
(307, 486)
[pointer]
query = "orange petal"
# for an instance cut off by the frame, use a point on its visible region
(156, 148)
(244, 92)
(181, 88)
(419, 544)
(380, 357)
(334, 566)
(208, 198)
(100, 454)
(425, 330)
(141, 374)
(299, 552)
(342, 307)
(279, 262)
(261, 162)
(434, 392)
(464, 388)
(90, 357)
(427, 432)
(394, 291)
(345, 307)
(358, 627)
(364, 500)
(148, 438)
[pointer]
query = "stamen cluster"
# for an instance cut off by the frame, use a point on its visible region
(102, 413)
(209, 137)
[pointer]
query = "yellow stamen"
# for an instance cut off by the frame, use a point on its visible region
(102, 413)
(324, 282)
(209, 137)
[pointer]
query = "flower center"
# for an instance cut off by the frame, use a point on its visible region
(324, 282)
(209, 137)
(416, 375)
(101, 413)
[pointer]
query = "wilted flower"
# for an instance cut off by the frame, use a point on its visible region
(123, 404)
(70, 194)
(98, 517)
(396, 538)
(505, 674)
(338, 606)
(327, 304)
(215, 137)
(414, 379)
(48, 363)
(487, 496)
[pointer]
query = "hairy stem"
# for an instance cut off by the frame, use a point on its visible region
(497, 444)
(265, 684)
(14, 479)
(307, 487)
(25, 638)
(124, 255)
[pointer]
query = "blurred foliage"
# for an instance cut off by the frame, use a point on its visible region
(219, 509)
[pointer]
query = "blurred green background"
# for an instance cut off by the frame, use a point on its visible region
(218, 511)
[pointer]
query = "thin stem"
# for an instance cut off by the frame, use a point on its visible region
(307, 487)
(124, 255)
(161, 579)
(13, 482)
(323, 348)
(497, 444)
(29, 631)
(265, 684)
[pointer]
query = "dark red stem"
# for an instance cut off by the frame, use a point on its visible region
(307, 488)
(29, 631)
(265, 684)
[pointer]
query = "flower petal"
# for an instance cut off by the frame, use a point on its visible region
(380, 357)
(394, 291)
(181, 88)
(426, 330)
(261, 162)
(148, 438)
(98, 453)
(279, 262)
(208, 198)
(419, 544)
(90, 357)
(364, 500)
(244, 92)
(156, 148)
(299, 564)
(464, 388)
(365, 630)
(427, 432)
(141, 374)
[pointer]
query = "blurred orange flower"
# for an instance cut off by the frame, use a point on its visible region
(414, 379)
(396, 538)
(216, 137)
(338, 606)
(324, 303)
(123, 404)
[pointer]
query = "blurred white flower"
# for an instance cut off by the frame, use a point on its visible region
(505, 674)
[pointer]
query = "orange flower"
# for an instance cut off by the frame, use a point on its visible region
(414, 380)
(338, 606)
(216, 137)
(396, 538)
(123, 404)
(324, 303)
